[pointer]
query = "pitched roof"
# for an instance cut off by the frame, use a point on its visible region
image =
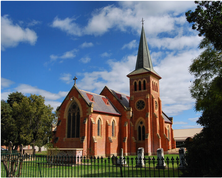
(144, 62)
(100, 103)
(166, 118)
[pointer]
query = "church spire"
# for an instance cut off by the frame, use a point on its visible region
(143, 57)
(144, 62)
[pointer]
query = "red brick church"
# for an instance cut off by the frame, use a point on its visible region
(102, 124)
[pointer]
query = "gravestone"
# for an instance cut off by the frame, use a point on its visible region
(114, 160)
(140, 157)
(160, 159)
(121, 160)
(182, 158)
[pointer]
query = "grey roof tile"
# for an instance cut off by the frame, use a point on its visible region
(99, 103)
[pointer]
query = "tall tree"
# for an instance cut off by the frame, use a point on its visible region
(203, 153)
(207, 20)
(205, 68)
(31, 118)
(8, 126)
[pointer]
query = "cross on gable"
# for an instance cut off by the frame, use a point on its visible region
(75, 78)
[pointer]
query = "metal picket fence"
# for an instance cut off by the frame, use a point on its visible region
(70, 166)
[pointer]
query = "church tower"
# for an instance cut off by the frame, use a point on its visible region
(147, 121)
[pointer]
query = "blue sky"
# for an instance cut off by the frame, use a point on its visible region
(45, 44)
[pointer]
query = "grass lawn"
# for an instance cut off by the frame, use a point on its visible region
(41, 153)
(38, 167)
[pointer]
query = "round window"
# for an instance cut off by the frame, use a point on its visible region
(140, 104)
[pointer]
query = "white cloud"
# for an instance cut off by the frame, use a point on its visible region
(67, 25)
(66, 55)
(130, 45)
(34, 22)
(4, 95)
(115, 78)
(50, 98)
(179, 123)
(158, 7)
(191, 126)
(175, 82)
(66, 78)
(13, 34)
(86, 45)
(176, 43)
(105, 54)
(174, 85)
(28, 89)
(85, 60)
(193, 119)
(53, 104)
(129, 14)
(6, 83)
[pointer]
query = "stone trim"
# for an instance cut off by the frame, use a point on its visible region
(155, 115)
(94, 139)
(134, 139)
(166, 137)
(110, 139)
(124, 139)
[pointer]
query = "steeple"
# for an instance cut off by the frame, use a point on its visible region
(143, 56)
(144, 62)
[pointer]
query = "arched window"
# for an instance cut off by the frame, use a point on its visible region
(73, 126)
(141, 131)
(144, 84)
(113, 128)
(99, 127)
(139, 85)
(135, 86)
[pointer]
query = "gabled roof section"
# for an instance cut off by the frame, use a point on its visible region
(144, 62)
(74, 87)
(166, 118)
(122, 98)
(100, 103)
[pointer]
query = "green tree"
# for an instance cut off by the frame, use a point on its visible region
(207, 20)
(32, 120)
(205, 68)
(7, 122)
(204, 150)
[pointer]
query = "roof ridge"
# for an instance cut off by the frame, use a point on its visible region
(91, 93)
(119, 92)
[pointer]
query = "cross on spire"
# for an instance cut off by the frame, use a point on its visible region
(142, 21)
(75, 78)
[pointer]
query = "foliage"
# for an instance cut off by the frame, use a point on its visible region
(28, 119)
(7, 122)
(207, 20)
(204, 149)
(205, 68)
